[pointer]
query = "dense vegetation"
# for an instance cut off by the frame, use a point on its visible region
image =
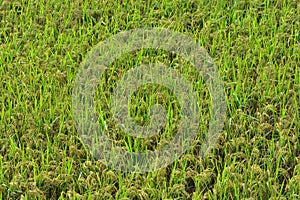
(255, 45)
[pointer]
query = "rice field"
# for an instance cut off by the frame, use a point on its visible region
(255, 46)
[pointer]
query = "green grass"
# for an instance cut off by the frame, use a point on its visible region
(256, 47)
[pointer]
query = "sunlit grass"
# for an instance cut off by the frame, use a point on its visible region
(255, 46)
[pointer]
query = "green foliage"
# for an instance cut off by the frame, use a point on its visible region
(255, 45)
